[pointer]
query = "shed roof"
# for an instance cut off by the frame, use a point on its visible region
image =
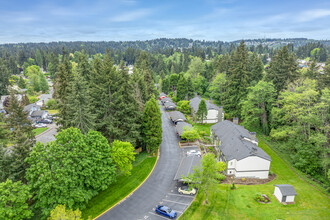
(176, 115)
(194, 103)
(236, 141)
(287, 190)
(180, 127)
(186, 166)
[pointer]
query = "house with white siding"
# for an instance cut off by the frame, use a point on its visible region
(214, 113)
(238, 148)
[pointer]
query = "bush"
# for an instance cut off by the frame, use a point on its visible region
(33, 99)
(259, 197)
(243, 179)
(202, 133)
(51, 104)
(233, 186)
(222, 177)
(174, 99)
(271, 172)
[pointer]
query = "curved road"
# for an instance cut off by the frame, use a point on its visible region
(159, 187)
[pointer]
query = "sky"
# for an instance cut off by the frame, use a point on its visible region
(121, 20)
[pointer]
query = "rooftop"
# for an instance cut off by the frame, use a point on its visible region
(180, 127)
(176, 115)
(237, 142)
(194, 103)
(287, 190)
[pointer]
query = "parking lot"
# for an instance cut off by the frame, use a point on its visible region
(48, 135)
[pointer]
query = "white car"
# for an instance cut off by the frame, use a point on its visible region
(194, 153)
(40, 125)
(186, 190)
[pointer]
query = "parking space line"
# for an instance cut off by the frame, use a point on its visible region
(173, 194)
(178, 211)
(176, 202)
(158, 215)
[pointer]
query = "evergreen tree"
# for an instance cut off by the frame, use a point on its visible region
(182, 90)
(257, 69)
(190, 88)
(282, 69)
(124, 123)
(152, 125)
(79, 105)
(21, 83)
(4, 78)
(39, 58)
(202, 111)
(142, 67)
(21, 136)
(238, 81)
(323, 80)
(62, 91)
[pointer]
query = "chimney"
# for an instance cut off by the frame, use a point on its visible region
(253, 136)
(221, 114)
(235, 121)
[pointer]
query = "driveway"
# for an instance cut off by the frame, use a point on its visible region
(159, 188)
(48, 135)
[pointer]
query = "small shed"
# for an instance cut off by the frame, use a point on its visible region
(285, 193)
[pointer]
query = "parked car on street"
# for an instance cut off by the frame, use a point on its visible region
(46, 121)
(194, 153)
(185, 190)
(165, 211)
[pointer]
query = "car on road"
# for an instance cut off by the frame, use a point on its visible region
(185, 190)
(40, 125)
(46, 121)
(194, 153)
(165, 211)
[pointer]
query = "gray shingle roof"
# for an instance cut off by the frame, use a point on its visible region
(235, 141)
(29, 107)
(180, 127)
(37, 113)
(187, 166)
(162, 94)
(177, 116)
(194, 103)
(166, 99)
(287, 190)
(169, 105)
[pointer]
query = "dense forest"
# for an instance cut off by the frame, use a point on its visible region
(100, 103)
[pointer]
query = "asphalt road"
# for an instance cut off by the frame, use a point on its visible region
(48, 135)
(159, 188)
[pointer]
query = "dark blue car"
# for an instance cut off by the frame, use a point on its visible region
(165, 211)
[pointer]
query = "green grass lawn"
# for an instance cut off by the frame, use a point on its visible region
(124, 185)
(225, 203)
(39, 130)
(205, 127)
(52, 111)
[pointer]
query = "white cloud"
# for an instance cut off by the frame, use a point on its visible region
(131, 16)
(313, 14)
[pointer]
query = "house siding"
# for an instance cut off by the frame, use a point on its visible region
(290, 199)
(253, 166)
(278, 194)
(212, 117)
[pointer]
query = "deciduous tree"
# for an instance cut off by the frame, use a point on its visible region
(123, 155)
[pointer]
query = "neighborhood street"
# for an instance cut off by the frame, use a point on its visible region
(159, 188)
(48, 135)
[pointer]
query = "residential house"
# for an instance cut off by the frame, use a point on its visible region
(214, 113)
(238, 148)
(285, 193)
(39, 115)
(170, 105)
(3, 98)
(43, 99)
(181, 126)
(32, 108)
(177, 116)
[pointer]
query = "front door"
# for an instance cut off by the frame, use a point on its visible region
(283, 198)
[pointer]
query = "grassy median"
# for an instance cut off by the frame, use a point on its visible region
(39, 130)
(124, 185)
(225, 203)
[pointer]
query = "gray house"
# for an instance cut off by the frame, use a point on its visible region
(170, 105)
(214, 113)
(180, 127)
(31, 108)
(38, 115)
(177, 116)
(238, 148)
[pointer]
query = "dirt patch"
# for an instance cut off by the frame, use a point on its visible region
(248, 181)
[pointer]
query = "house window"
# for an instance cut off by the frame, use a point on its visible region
(230, 172)
(231, 163)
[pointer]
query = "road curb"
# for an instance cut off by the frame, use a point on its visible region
(132, 191)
